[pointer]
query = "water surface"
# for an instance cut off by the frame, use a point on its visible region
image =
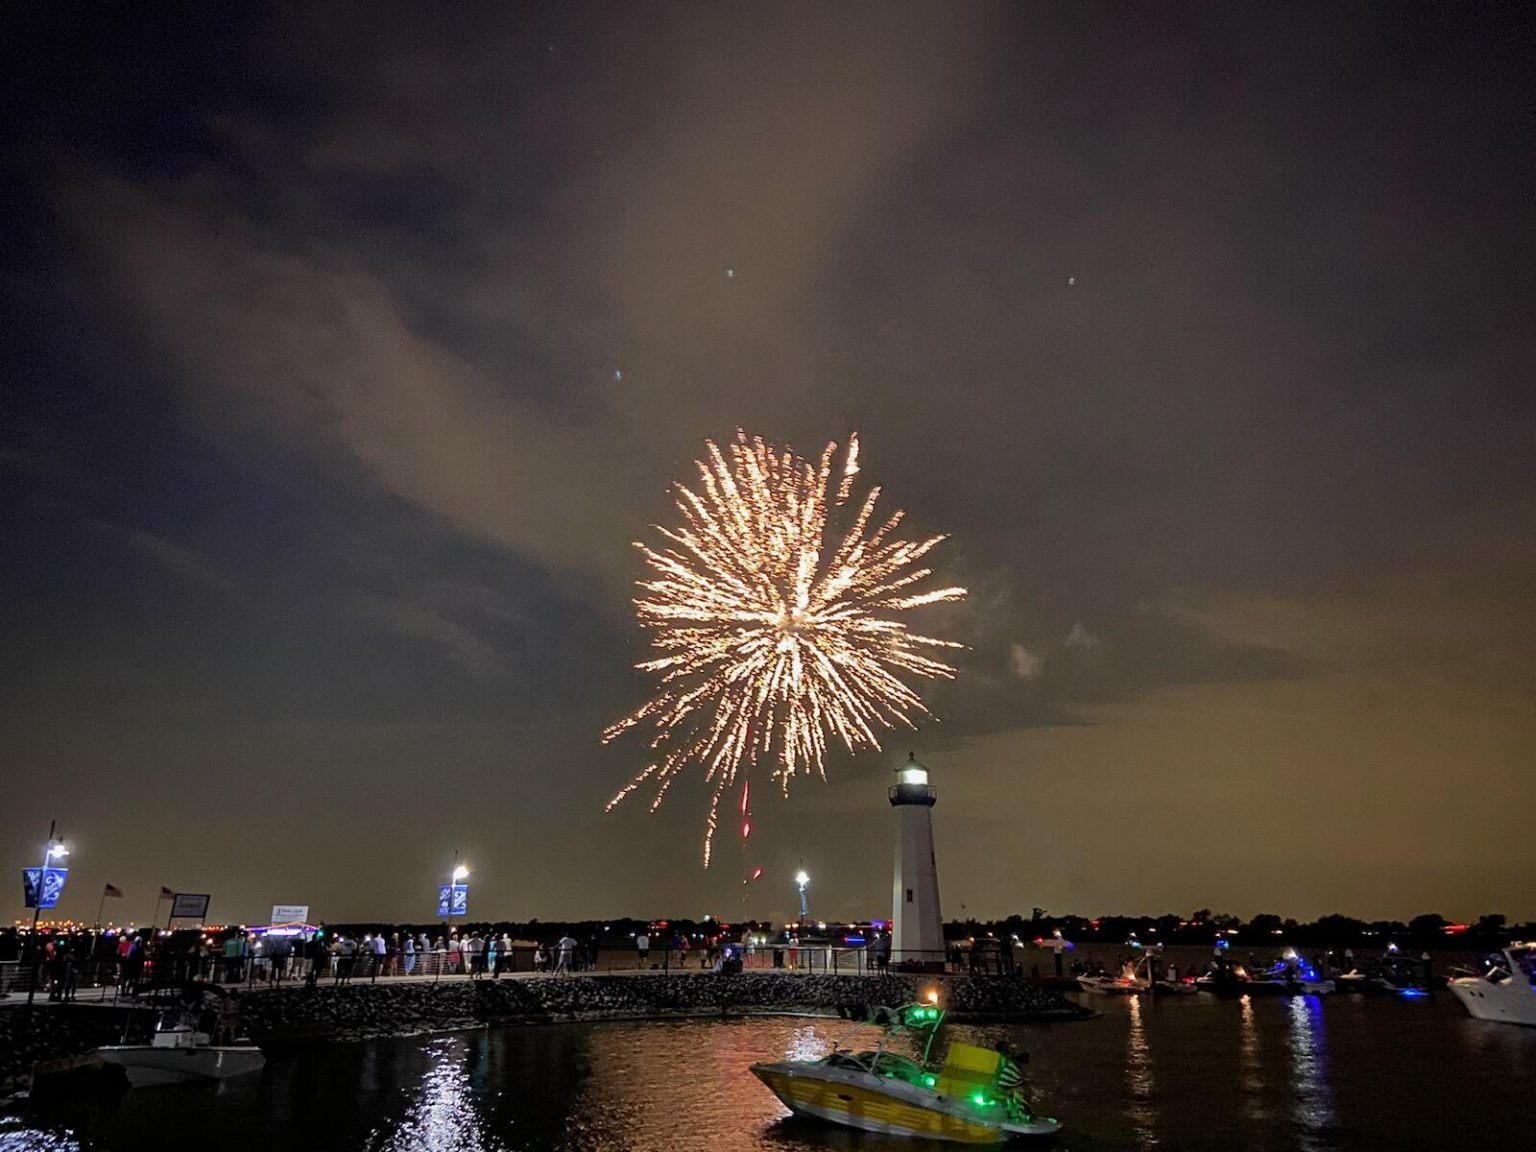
(1336, 1074)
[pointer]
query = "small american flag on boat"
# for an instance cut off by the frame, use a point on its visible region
(1010, 1076)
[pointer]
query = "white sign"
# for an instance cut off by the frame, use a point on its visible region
(189, 906)
(290, 914)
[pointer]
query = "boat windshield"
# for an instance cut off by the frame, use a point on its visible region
(896, 1067)
(176, 1020)
(1525, 960)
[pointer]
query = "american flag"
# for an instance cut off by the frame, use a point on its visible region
(166, 893)
(112, 890)
(1010, 1076)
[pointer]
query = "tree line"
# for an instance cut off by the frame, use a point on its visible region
(1336, 930)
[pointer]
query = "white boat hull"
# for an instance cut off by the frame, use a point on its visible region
(1112, 986)
(1509, 1002)
(149, 1065)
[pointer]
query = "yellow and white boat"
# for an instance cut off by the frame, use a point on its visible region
(972, 1097)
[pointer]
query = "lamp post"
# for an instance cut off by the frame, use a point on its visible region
(54, 850)
(460, 873)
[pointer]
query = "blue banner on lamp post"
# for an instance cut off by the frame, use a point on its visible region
(42, 887)
(452, 900)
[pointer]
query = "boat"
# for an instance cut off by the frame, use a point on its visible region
(1506, 989)
(179, 1053)
(1290, 976)
(1128, 983)
(971, 1097)
(1391, 974)
(1294, 975)
(1143, 976)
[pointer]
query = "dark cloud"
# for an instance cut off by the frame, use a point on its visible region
(355, 349)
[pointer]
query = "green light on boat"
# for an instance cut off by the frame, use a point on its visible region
(930, 1081)
(980, 1099)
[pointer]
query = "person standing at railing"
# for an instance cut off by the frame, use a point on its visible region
(567, 950)
(643, 947)
(71, 975)
(380, 956)
(314, 949)
(232, 958)
(124, 941)
(135, 966)
(408, 954)
(53, 969)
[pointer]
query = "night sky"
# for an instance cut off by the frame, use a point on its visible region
(347, 348)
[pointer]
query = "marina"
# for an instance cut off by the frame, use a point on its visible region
(595, 577)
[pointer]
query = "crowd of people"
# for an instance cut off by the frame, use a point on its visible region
(129, 959)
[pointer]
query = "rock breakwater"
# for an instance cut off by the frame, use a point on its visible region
(401, 1007)
(50, 1035)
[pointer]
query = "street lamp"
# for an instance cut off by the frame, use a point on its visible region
(54, 851)
(459, 874)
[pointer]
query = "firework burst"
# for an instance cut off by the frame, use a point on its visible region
(774, 632)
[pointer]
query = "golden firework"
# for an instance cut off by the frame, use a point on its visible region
(773, 631)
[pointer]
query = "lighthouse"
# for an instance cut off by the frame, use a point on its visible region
(917, 929)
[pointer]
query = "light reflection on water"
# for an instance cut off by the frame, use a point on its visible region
(709, 1089)
(1251, 1064)
(444, 1117)
(1138, 1076)
(807, 1043)
(1313, 1109)
(16, 1135)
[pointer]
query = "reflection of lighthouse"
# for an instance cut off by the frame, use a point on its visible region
(917, 930)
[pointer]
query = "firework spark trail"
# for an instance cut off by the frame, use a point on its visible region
(767, 641)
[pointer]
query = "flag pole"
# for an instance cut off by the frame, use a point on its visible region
(37, 910)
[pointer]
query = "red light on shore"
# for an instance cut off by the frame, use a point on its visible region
(1456, 929)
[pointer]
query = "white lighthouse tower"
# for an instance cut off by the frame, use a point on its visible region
(917, 929)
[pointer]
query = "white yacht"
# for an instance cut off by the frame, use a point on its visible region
(178, 1054)
(1506, 991)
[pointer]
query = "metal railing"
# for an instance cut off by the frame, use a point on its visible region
(110, 979)
(56, 981)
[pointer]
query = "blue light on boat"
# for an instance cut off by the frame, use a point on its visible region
(1412, 993)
